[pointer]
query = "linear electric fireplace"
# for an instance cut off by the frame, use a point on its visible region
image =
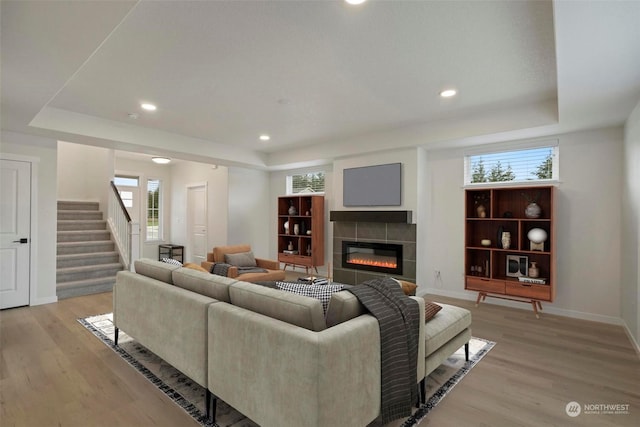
(371, 256)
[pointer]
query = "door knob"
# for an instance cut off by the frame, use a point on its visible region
(23, 240)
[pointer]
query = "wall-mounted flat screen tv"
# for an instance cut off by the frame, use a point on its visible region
(378, 185)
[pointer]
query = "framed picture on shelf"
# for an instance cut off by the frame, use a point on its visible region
(517, 265)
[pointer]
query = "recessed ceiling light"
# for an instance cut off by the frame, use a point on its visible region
(448, 93)
(354, 2)
(264, 137)
(148, 107)
(161, 160)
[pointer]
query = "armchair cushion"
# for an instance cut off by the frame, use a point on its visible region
(242, 259)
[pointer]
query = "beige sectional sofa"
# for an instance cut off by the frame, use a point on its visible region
(273, 355)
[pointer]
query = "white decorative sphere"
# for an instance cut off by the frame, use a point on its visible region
(537, 235)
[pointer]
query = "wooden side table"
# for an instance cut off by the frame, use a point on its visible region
(171, 251)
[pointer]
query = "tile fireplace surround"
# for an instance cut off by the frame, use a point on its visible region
(401, 233)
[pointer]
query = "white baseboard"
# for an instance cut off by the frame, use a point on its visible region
(633, 340)
(471, 296)
(47, 300)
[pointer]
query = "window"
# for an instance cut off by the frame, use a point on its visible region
(312, 182)
(125, 181)
(533, 164)
(154, 214)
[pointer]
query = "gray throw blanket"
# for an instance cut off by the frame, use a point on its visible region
(399, 320)
(222, 269)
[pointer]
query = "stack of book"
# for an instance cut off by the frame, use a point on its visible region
(535, 280)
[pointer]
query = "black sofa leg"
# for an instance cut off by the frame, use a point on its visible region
(210, 402)
(466, 352)
(423, 390)
(116, 336)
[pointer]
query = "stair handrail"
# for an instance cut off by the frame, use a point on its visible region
(126, 233)
(123, 208)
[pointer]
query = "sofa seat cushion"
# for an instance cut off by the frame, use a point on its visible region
(295, 309)
(203, 283)
(155, 269)
(445, 325)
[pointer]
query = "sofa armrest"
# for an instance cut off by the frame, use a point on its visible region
(232, 272)
(268, 264)
(280, 374)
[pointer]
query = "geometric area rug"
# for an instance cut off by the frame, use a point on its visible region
(190, 395)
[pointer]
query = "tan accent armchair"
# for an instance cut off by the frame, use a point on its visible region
(273, 267)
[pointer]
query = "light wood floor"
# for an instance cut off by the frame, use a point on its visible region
(54, 372)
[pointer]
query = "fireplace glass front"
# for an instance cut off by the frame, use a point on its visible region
(372, 256)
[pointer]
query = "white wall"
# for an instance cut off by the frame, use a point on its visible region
(631, 227)
(146, 169)
(189, 173)
(588, 225)
(250, 211)
(43, 236)
(84, 173)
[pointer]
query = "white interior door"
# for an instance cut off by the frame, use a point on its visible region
(15, 232)
(197, 223)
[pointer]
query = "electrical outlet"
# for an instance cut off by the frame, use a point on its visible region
(436, 273)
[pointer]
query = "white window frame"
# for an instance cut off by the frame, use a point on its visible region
(160, 237)
(289, 184)
(510, 147)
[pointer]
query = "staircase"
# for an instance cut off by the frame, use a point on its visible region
(87, 261)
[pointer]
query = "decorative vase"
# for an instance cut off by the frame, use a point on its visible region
(482, 211)
(292, 209)
(290, 246)
(286, 227)
(534, 271)
(506, 240)
(533, 210)
(296, 229)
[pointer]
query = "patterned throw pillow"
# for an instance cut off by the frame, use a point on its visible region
(321, 292)
(172, 261)
(430, 310)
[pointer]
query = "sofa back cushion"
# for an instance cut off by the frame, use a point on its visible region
(203, 283)
(155, 269)
(343, 306)
(220, 251)
(298, 310)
